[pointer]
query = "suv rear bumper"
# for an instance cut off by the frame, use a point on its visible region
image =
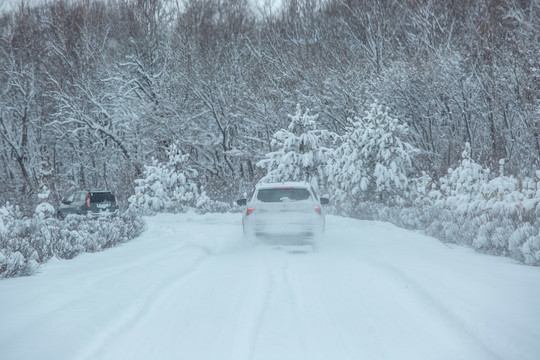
(98, 214)
(309, 227)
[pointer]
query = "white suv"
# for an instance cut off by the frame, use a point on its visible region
(288, 210)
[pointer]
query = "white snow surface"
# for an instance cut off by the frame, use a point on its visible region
(191, 288)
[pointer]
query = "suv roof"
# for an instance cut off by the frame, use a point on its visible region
(294, 184)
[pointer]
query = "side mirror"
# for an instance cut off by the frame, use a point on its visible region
(325, 201)
(241, 202)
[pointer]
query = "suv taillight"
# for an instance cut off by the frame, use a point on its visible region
(249, 211)
(318, 210)
(87, 202)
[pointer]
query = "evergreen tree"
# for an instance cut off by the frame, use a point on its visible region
(373, 159)
(467, 178)
(301, 153)
(170, 186)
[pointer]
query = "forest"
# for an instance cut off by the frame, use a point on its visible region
(421, 112)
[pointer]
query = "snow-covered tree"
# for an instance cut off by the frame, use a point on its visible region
(170, 186)
(44, 209)
(467, 177)
(301, 151)
(373, 159)
(9, 214)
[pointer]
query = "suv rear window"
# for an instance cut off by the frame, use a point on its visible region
(282, 195)
(97, 197)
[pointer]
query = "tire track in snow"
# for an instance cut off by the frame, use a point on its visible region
(134, 313)
(101, 276)
(254, 309)
(194, 252)
(149, 260)
(278, 323)
(316, 316)
(295, 308)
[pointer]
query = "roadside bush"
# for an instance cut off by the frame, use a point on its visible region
(168, 186)
(500, 216)
(497, 217)
(26, 243)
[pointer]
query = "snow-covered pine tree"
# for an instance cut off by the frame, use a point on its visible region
(373, 160)
(301, 152)
(467, 178)
(170, 186)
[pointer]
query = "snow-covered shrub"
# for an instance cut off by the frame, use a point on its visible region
(449, 231)
(301, 152)
(518, 239)
(435, 228)
(14, 264)
(25, 243)
(8, 214)
(531, 250)
(467, 178)
(498, 216)
(207, 205)
(170, 186)
(414, 218)
(460, 189)
(423, 190)
(369, 211)
(483, 238)
(373, 160)
(499, 239)
(44, 209)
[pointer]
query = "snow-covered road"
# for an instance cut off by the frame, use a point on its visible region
(190, 288)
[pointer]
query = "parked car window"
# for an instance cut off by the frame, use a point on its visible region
(98, 197)
(282, 195)
(70, 198)
(314, 193)
(80, 196)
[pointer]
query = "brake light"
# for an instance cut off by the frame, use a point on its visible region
(318, 210)
(87, 202)
(249, 211)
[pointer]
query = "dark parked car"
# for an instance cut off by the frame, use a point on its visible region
(93, 203)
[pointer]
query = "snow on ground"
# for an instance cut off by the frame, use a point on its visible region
(191, 288)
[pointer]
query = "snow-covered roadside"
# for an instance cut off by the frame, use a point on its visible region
(28, 242)
(190, 287)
